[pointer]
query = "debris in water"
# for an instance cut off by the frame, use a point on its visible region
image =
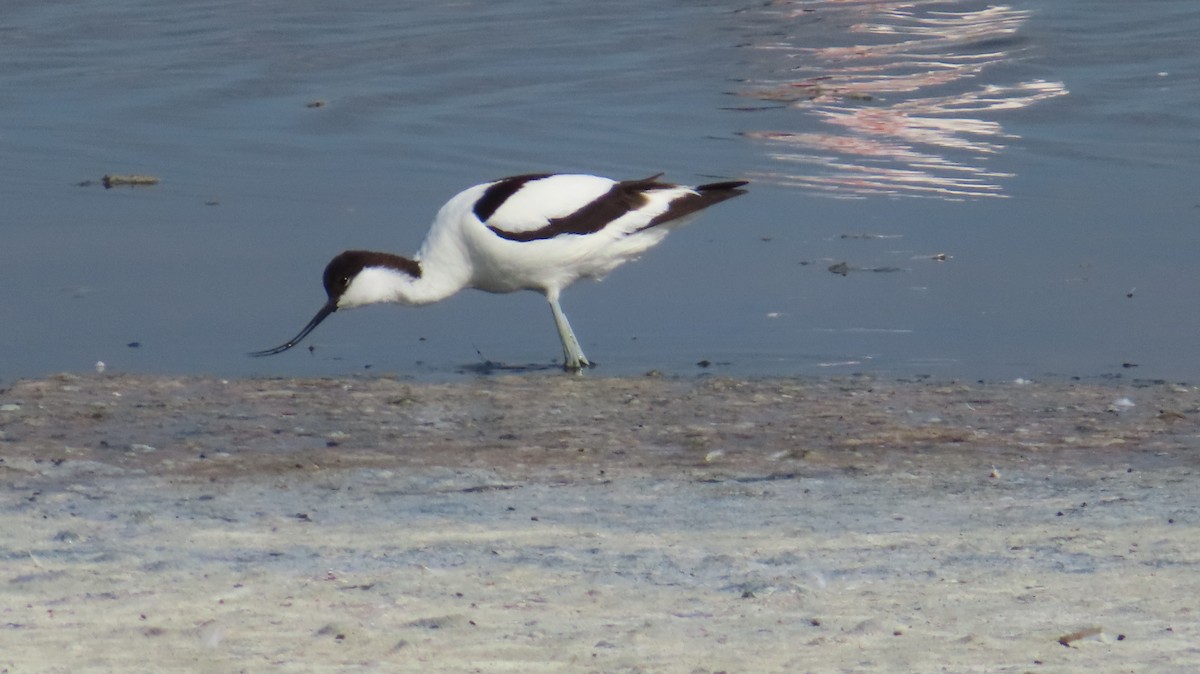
(844, 269)
(110, 180)
(869, 235)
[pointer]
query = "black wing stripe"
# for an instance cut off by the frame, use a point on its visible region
(499, 192)
(620, 199)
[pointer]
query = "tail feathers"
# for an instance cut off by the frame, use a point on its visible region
(703, 197)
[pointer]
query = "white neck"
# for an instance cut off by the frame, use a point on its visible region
(374, 285)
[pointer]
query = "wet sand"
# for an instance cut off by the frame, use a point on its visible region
(551, 523)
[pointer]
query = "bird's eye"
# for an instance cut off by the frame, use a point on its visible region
(345, 280)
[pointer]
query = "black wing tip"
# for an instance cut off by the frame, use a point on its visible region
(726, 186)
(724, 189)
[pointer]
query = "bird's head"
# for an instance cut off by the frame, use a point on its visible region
(352, 279)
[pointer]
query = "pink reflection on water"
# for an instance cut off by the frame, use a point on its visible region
(905, 102)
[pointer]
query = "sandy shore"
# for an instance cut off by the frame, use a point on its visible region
(552, 523)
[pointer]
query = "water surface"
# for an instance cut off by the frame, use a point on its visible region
(1009, 190)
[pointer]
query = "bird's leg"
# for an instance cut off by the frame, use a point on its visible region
(573, 358)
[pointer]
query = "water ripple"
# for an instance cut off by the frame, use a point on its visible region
(902, 108)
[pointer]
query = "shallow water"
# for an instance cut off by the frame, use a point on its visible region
(1046, 151)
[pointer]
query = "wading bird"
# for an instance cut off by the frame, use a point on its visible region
(530, 232)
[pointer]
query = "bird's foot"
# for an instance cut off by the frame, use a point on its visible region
(577, 365)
